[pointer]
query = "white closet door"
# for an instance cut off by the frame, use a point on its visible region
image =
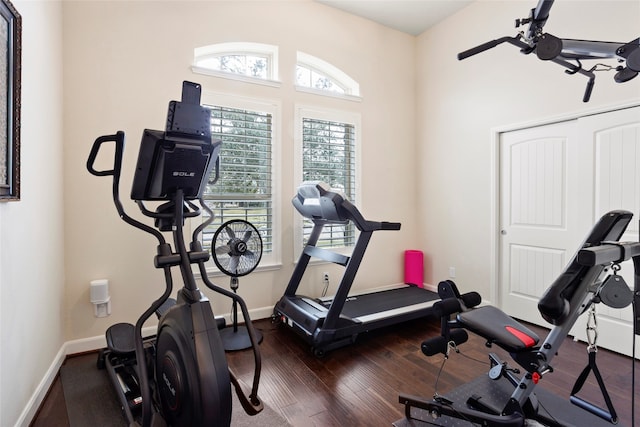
(556, 180)
(616, 140)
(545, 211)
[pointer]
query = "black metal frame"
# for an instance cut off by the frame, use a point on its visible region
(562, 51)
(11, 97)
(575, 290)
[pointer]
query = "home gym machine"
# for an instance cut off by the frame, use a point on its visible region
(330, 323)
(568, 52)
(501, 398)
(180, 376)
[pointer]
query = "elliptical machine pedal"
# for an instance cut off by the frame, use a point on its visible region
(120, 339)
(119, 359)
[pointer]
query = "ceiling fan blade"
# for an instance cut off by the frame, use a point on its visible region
(233, 264)
(223, 250)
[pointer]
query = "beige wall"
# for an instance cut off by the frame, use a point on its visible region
(125, 60)
(459, 102)
(31, 230)
(426, 119)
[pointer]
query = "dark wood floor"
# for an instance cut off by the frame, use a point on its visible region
(359, 385)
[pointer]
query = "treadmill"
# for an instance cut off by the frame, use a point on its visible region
(330, 323)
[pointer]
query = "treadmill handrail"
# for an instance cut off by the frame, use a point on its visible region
(362, 224)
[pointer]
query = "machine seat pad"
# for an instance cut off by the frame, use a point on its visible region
(497, 327)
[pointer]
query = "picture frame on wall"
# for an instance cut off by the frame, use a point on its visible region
(10, 72)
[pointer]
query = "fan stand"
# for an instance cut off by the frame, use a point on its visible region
(236, 337)
(236, 249)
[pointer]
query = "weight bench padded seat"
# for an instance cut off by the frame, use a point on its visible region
(497, 327)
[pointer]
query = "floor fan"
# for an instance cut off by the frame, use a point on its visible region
(236, 248)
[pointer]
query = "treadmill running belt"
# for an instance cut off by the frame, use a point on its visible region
(376, 302)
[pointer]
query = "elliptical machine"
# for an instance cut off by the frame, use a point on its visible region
(179, 377)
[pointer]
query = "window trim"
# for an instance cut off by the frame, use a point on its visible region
(237, 77)
(328, 114)
(271, 260)
(351, 86)
(239, 48)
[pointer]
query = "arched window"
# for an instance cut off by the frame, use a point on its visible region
(320, 76)
(240, 60)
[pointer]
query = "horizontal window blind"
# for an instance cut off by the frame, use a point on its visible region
(244, 189)
(328, 154)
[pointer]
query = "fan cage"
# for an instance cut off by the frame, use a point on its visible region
(236, 248)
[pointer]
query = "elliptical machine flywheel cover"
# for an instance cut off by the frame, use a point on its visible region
(193, 385)
(175, 376)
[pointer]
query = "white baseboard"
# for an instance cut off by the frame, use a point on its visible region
(256, 314)
(84, 345)
(429, 286)
(41, 390)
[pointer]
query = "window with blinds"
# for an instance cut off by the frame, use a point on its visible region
(328, 154)
(244, 189)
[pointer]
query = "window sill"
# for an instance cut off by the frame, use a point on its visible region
(353, 98)
(236, 77)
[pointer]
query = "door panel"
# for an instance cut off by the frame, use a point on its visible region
(541, 214)
(616, 137)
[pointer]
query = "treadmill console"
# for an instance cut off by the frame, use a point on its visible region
(316, 201)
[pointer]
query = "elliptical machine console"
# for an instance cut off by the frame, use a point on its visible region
(179, 377)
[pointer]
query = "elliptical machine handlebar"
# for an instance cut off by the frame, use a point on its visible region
(118, 140)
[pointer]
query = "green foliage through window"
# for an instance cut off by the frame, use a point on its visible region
(242, 64)
(311, 78)
(244, 189)
(328, 154)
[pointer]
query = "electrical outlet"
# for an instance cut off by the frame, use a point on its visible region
(452, 272)
(325, 277)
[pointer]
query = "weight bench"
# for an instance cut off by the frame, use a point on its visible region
(501, 398)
